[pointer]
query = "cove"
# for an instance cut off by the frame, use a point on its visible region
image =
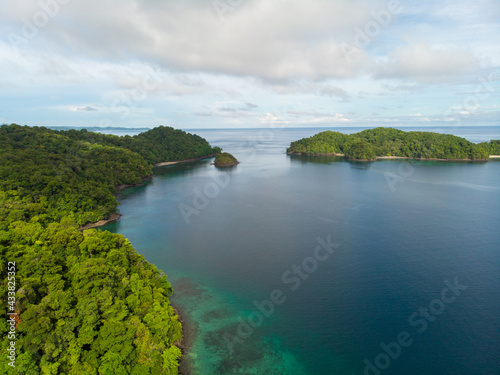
(393, 249)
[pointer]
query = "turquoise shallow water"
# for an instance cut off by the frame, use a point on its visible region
(293, 265)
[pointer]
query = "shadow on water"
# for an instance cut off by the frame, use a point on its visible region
(322, 159)
(181, 169)
(357, 164)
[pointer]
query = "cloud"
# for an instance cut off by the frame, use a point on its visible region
(86, 109)
(237, 107)
(338, 92)
(274, 41)
(227, 109)
(319, 117)
(79, 108)
(424, 63)
(179, 61)
(203, 114)
(250, 106)
(311, 88)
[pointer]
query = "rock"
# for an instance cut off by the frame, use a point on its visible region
(225, 159)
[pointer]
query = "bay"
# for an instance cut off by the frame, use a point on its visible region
(359, 254)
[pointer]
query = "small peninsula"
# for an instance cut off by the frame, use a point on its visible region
(225, 160)
(385, 143)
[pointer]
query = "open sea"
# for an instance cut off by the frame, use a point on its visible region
(317, 265)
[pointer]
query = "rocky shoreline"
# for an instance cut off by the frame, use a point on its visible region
(187, 338)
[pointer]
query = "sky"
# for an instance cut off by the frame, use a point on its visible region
(195, 64)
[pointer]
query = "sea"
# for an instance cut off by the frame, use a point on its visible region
(321, 266)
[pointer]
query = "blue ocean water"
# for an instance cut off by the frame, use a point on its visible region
(316, 265)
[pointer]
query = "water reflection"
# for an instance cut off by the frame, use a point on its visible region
(181, 169)
(324, 159)
(320, 159)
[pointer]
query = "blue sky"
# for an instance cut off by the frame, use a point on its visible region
(249, 63)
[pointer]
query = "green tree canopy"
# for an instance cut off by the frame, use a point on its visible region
(86, 301)
(393, 142)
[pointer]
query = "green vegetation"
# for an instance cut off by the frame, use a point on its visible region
(371, 143)
(225, 159)
(492, 147)
(323, 143)
(65, 177)
(157, 145)
(75, 173)
(360, 150)
(86, 301)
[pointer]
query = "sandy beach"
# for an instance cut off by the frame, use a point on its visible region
(100, 223)
(183, 161)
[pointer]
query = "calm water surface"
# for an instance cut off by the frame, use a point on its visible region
(394, 235)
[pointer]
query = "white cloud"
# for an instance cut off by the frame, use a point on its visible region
(312, 88)
(178, 60)
(421, 62)
(277, 40)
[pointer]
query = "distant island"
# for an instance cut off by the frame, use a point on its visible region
(225, 159)
(86, 302)
(380, 143)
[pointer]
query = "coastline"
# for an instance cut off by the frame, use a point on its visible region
(115, 216)
(315, 154)
(431, 159)
(100, 223)
(185, 343)
(188, 328)
(391, 157)
(183, 161)
(181, 344)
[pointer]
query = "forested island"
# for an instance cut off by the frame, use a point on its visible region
(225, 160)
(373, 144)
(83, 301)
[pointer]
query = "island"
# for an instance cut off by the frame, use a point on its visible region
(83, 301)
(225, 160)
(384, 143)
